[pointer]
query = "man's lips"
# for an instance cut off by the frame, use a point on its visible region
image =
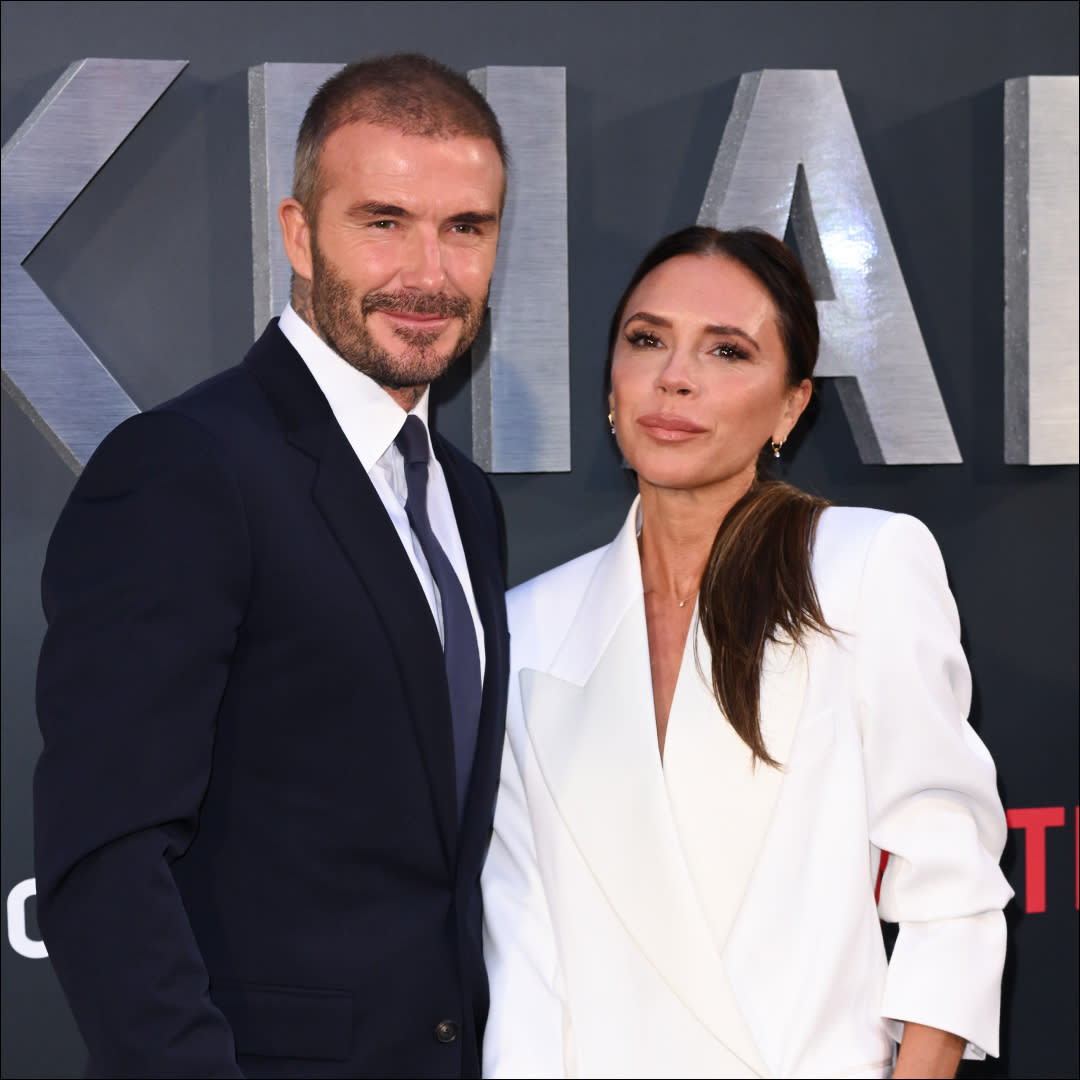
(417, 307)
(414, 321)
(668, 427)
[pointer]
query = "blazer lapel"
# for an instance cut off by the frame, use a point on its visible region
(722, 803)
(592, 726)
(346, 498)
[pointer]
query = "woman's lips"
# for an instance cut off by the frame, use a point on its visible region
(668, 427)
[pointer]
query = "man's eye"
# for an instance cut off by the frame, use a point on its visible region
(464, 227)
(384, 223)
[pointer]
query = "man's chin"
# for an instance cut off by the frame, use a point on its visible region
(411, 369)
(424, 356)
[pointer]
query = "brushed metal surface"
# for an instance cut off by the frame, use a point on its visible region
(49, 371)
(790, 152)
(278, 96)
(521, 361)
(1042, 270)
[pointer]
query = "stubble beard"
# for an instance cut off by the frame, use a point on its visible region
(341, 320)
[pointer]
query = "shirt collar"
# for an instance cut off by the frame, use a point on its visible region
(367, 414)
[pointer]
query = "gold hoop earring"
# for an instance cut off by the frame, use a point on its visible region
(777, 446)
(611, 421)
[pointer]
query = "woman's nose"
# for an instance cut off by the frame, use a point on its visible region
(675, 376)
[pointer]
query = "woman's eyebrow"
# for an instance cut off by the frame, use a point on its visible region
(721, 329)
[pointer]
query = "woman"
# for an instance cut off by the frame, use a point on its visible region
(717, 725)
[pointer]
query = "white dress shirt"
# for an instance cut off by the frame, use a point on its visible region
(371, 420)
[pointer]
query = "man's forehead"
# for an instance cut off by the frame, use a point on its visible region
(385, 160)
(361, 138)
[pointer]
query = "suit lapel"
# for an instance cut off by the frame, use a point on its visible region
(346, 498)
(592, 726)
(486, 574)
(356, 516)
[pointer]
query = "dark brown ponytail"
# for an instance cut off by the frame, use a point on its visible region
(758, 582)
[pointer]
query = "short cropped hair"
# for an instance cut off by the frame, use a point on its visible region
(407, 92)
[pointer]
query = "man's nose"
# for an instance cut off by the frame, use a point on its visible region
(422, 265)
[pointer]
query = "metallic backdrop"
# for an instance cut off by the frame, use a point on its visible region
(952, 122)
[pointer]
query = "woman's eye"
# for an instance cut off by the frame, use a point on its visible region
(727, 351)
(643, 339)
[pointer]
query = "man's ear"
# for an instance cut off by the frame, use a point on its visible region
(296, 235)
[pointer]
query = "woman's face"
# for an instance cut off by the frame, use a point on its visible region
(699, 375)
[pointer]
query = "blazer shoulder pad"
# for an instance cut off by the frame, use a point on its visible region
(849, 539)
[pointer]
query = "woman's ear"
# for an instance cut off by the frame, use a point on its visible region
(798, 397)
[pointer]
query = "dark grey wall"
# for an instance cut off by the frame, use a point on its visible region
(152, 265)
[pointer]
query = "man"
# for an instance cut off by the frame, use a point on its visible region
(273, 684)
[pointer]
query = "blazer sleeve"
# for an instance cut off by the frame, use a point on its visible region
(525, 1034)
(932, 795)
(144, 588)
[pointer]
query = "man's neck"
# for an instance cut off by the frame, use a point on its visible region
(300, 299)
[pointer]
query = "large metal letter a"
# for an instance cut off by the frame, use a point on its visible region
(790, 152)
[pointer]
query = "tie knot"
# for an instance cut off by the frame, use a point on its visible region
(412, 441)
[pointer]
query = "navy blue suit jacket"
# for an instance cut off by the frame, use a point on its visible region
(247, 846)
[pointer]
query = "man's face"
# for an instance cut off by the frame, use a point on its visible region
(403, 247)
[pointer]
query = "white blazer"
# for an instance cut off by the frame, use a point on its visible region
(702, 917)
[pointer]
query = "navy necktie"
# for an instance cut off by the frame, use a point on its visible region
(459, 634)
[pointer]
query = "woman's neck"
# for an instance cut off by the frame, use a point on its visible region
(677, 533)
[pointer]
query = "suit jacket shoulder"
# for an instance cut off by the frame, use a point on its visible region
(222, 417)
